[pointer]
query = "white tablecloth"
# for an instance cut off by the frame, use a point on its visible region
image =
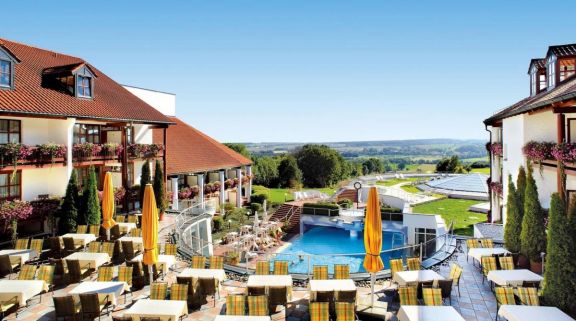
(240, 318)
(428, 313)
(218, 274)
(270, 280)
(23, 289)
(163, 309)
(112, 289)
(531, 313)
(332, 285)
(19, 256)
(416, 276)
(513, 277)
(165, 261)
(126, 227)
(81, 239)
(138, 243)
(478, 253)
(94, 259)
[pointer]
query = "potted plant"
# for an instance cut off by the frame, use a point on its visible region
(233, 258)
(533, 235)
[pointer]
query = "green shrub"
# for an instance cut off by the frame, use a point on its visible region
(320, 208)
(90, 199)
(390, 210)
(513, 227)
(256, 207)
(346, 203)
(69, 209)
(533, 235)
(330, 206)
(217, 223)
(144, 180)
(258, 198)
(159, 187)
(229, 207)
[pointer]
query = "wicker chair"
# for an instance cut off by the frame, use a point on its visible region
(70, 246)
(61, 275)
(94, 247)
(115, 232)
(125, 275)
(93, 307)
(208, 287)
(66, 308)
(179, 292)
(27, 272)
(277, 296)
(6, 266)
(256, 290)
(158, 290)
(82, 229)
(346, 296)
(21, 244)
(446, 288)
(8, 305)
(128, 249)
(105, 273)
(77, 272)
(170, 249)
(46, 274)
(37, 245)
(56, 248)
(136, 232)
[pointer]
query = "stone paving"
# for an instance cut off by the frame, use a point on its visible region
(476, 303)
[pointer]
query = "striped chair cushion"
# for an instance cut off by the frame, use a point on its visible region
(132, 219)
(119, 219)
(21, 244)
(280, 267)
(235, 305)
(27, 272)
(320, 272)
(198, 262)
(94, 247)
(105, 273)
(506, 263)
(487, 243)
(136, 232)
(472, 243)
(432, 296)
(125, 274)
(528, 296)
(396, 266)
(504, 295)
(408, 295)
(95, 229)
(46, 273)
(82, 229)
(37, 245)
(455, 272)
(158, 290)
(179, 292)
(345, 311)
(108, 247)
(413, 263)
(216, 262)
(319, 311)
(341, 271)
(258, 305)
(262, 268)
(488, 264)
(170, 249)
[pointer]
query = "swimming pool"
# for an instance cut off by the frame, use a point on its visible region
(323, 244)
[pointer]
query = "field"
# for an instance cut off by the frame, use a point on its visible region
(422, 168)
(485, 170)
(411, 189)
(280, 195)
(454, 210)
(394, 181)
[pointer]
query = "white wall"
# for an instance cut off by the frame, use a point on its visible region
(413, 221)
(143, 134)
(163, 102)
(46, 180)
(37, 131)
(512, 140)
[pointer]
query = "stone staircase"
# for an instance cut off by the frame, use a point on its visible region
(291, 212)
(346, 193)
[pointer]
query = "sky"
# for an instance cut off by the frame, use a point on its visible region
(309, 71)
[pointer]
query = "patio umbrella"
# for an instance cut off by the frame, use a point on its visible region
(108, 204)
(149, 229)
(373, 238)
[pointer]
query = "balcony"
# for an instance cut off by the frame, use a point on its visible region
(22, 156)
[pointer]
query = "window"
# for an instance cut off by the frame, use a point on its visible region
(533, 90)
(542, 80)
(130, 135)
(9, 131)
(551, 69)
(567, 69)
(5, 73)
(10, 186)
(83, 176)
(84, 87)
(426, 236)
(86, 134)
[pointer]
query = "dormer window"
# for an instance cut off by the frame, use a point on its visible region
(537, 72)
(567, 68)
(6, 73)
(84, 86)
(77, 80)
(551, 70)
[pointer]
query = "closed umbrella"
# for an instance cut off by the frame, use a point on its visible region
(149, 229)
(108, 204)
(373, 238)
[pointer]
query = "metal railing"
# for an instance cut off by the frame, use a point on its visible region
(184, 224)
(320, 211)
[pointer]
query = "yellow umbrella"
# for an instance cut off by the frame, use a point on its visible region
(149, 228)
(108, 204)
(373, 237)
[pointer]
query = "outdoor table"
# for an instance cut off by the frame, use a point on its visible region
(126, 227)
(19, 256)
(530, 313)
(136, 240)
(111, 289)
(404, 277)
(478, 253)
(164, 261)
(24, 290)
(81, 239)
(268, 281)
(217, 274)
(93, 259)
(513, 277)
(163, 309)
(331, 286)
(241, 318)
(428, 313)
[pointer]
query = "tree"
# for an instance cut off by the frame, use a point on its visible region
(560, 265)
(69, 209)
(91, 200)
(159, 191)
(144, 180)
(288, 172)
(240, 149)
(372, 165)
(449, 165)
(513, 226)
(521, 189)
(266, 171)
(320, 165)
(533, 236)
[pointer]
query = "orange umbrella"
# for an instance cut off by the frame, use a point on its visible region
(149, 228)
(108, 204)
(373, 237)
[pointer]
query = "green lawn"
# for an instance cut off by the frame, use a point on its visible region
(454, 210)
(279, 195)
(395, 181)
(411, 189)
(422, 168)
(485, 170)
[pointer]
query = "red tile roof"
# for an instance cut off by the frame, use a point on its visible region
(111, 101)
(191, 151)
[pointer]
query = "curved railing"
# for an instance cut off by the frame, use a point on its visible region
(184, 223)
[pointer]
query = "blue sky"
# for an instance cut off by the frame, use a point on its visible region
(309, 71)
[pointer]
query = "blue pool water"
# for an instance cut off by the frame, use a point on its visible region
(325, 243)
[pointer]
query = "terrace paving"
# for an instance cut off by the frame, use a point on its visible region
(476, 303)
